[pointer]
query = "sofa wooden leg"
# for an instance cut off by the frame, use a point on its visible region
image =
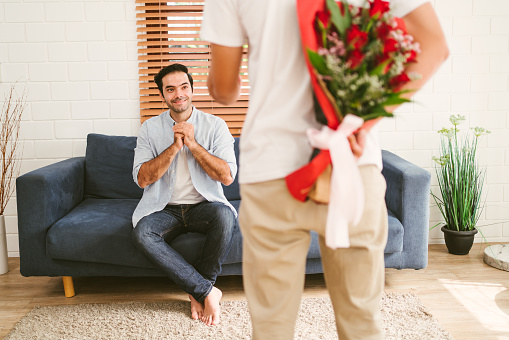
(68, 286)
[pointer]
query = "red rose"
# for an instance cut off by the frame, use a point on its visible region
(411, 56)
(390, 45)
(382, 31)
(324, 17)
(355, 59)
(398, 81)
(356, 38)
(377, 8)
(341, 7)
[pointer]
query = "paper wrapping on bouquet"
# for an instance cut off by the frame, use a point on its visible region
(346, 202)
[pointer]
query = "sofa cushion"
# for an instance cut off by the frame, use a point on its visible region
(96, 230)
(394, 240)
(108, 167)
(100, 230)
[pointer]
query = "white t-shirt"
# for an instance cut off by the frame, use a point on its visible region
(184, 191)
(274, 142)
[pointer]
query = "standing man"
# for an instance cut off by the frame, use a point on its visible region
(275, 226)
(181, 158)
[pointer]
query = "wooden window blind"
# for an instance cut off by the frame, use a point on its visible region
(169, 32)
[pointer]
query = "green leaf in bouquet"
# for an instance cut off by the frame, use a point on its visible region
(340, 20)
(399, 93)
(355, 105)
(376, 112)
(323, 31)
(367, 26)
(332, 86)
(395, 100)
(363, 68)
(361, 91)
(379, 70)
(318, 62)
(329, 96)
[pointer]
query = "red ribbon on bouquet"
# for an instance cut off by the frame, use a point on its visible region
(300, 182)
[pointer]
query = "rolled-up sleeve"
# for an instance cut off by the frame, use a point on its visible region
(223, 147)
(143, 152)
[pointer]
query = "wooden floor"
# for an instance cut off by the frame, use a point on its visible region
(469, 298)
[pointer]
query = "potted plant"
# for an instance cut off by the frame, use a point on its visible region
(10, 119)
(460, 180)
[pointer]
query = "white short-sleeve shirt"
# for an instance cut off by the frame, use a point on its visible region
(274, 142)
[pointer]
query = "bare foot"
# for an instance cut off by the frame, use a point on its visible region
(212, 310)
(196, 308)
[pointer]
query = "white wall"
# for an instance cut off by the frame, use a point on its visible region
(474, 82)
(79, 60)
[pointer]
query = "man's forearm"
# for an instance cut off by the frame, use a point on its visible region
(215, 167)
(153, 170)
(424, 26)
(224, 80)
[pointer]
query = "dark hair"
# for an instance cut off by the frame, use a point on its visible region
(158, 78)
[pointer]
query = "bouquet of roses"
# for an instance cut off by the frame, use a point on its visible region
(356, 58)
(361, 58)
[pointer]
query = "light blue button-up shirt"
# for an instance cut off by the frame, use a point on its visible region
(156, 135)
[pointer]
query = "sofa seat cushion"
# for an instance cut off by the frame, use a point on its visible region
(96, 230)
(394, 240)
(100, 230)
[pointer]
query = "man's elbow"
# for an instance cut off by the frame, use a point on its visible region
(224, 97)
(141, 182)
(442, 49)
(223, 93)
(445, 51)
(226, 100)
(227, 180)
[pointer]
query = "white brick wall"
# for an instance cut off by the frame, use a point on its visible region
(79, 61)
(474, 82)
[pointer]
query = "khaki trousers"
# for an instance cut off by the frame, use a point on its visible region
(276, 230)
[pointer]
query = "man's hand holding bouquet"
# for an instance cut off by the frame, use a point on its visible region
(356, 58)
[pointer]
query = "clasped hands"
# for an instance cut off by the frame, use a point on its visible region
(183, 134)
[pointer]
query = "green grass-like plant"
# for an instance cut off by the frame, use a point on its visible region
(460, 178)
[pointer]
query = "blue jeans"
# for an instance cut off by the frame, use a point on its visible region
(154, 232)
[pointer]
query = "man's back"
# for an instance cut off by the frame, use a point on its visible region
(281, 102)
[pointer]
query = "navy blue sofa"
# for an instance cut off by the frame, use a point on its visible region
(74, 217)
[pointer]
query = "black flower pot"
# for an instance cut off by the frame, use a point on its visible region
(459, 242)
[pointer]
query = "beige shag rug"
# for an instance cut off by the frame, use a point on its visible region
(404, 317)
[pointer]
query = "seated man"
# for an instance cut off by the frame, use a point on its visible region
(181, 158)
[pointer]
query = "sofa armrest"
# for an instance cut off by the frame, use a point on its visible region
(407, 196)
(43, 197)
